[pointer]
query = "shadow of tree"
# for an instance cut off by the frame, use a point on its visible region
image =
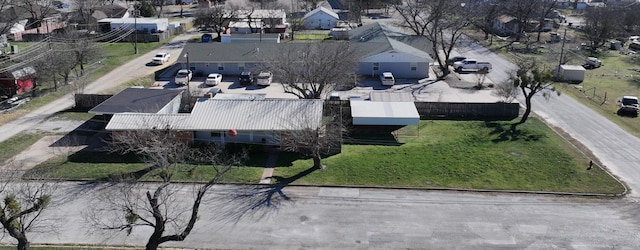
(257, 202)
(508, 134)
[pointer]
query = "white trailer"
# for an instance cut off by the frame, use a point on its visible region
(571, 73)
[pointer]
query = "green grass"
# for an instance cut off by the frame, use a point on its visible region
(440, 154)
(17, 144)
(464, 154)
(310, 36)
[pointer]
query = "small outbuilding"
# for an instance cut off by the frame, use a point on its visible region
(17, 81)
(147, 25)
(571, 73)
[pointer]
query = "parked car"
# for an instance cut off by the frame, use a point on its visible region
(246, 78)
(472, 64)
(264, 78)
(592, 63)
(629, 106)
(387, 79)
(183, 77)
(213, 79)
(455, 59)
(160, 58)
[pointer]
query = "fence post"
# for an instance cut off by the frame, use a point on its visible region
(594, 92)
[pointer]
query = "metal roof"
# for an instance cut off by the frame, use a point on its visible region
(321, 9)
(384, 113)
(137, 100)
(384, 96)
(212, 115)
(240, 96)
(144, 121)
(268, 114)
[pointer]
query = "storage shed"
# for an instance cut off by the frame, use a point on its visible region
(321, 19)
(571, 73)
(16, 81)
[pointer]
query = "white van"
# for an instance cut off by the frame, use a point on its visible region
(387, 79)
(264, 78)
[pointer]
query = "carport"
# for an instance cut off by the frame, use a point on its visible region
(384, 113)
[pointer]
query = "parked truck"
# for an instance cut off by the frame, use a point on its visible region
(472, 64)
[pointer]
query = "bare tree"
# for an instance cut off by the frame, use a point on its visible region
(601, 24)
(441, 21)
(485, 14)
(8, 16)
(311, 71)
(23, 204)
(506, 90)
(546, 7)
(160, 4)
(86, 8)
(166, 152)
(531, 79)
(217, 17)
(315, 139)
(38, 11)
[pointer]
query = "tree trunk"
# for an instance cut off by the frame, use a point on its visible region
(152, 244)
(316, 162)
(526, 113)
(23, 244)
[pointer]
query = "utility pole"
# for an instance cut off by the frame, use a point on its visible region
(135, 12)
(186, 54)
(564, 38)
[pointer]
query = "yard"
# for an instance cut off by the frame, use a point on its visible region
(440, 154)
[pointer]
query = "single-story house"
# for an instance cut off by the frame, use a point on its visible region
(378, 48)
(17, 80)
(245, 27)
(141, 100)
(250, 38)
(321, 18)
(231, 120)
(506, 25)
(147, 25)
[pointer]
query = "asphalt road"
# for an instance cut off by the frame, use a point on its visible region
(614, 147)
(131, 70)
(348, 218)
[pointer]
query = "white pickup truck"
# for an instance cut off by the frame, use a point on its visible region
(472, 64)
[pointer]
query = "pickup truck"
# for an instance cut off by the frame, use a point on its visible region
(472, 64)
(183, 77)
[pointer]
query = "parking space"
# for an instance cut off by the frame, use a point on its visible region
(229, 84)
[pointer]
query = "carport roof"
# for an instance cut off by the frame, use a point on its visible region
(136, 100)
(384, 113)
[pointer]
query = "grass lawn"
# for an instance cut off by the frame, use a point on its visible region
(17, 144)
(448, 154)
(463, 154)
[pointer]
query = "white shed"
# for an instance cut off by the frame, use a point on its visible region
(571, 73)
(321, 18)
(151, 25)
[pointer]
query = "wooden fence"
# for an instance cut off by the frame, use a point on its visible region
(448, 110)
(89, 101)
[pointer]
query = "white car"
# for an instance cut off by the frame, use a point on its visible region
(183, 77)
(264, 78)
(161, 58)
(213, 79)
(387, 79)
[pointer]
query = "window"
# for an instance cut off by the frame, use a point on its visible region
(215, 134)
(376, 66)
(220, 66)
(414, 67)
(240, 66)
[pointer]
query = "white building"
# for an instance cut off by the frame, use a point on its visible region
(321, 18)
